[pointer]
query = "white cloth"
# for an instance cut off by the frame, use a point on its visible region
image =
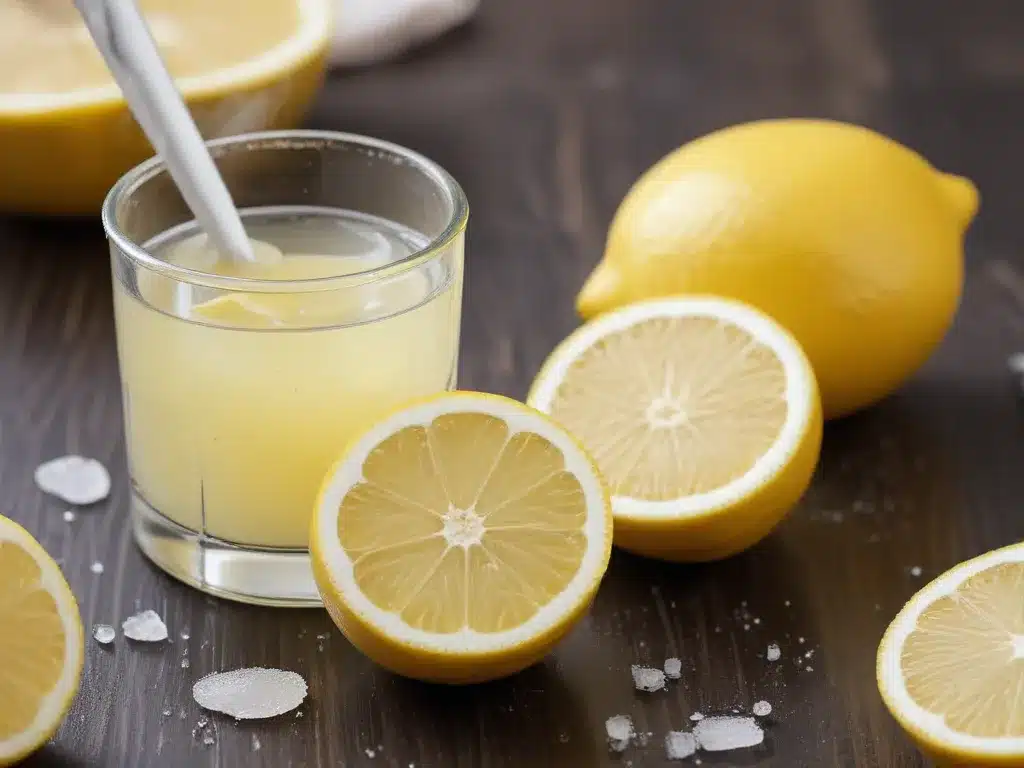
(368, 31)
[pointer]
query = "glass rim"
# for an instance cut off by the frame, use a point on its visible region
(154, 166)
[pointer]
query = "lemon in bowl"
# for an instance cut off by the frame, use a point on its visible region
(66, 134)
(851, 241)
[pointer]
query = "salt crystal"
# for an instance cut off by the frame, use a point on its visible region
(719, 734)
(202, 722)
(809, 669)
(696, 717)
(746, 627)
(809, 654)
(256, 743)
(104, 633)
(647, 679)
(620, 732)
(915, 571)
(166, 713)
(679, 745)
(370, 753)
(762, 709)
(145, 626)
(184, 634)
(787, 603)
(800, 640)
(298, 714)
(185, 663)
(757, 621)
(324, 636)
(208, 738)
(96, 567)
(69, 516)
(250, 693)
(673, 668)
(74, 479)
(774, 652)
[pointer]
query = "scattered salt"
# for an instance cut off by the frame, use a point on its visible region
(679, 745)
(104, 633)
(69, 516)
(96, 567)
(809, 654)
(696, 717)
(800, 640)
(915, 571)
(250, 693)
(809, 668)
(370, 753)
(207, 738)
(774, 652)
(166, 713)
(746, 627)
(762, 709)
(74, 479)
(256, 743)
(324, 636)
(202, 722)
(145, 626)
(787, 603)
(184, 634)
(757, 621)
(647, 679)
(673, 668)
(185, 663)
(620, 732)
(718, 734)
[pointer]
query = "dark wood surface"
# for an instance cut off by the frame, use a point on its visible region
(546, 111)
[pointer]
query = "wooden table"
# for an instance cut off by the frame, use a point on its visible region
(546, 111)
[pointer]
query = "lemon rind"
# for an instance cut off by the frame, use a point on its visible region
(519, 417)
(309, 39)
(929, 727)
(56, 702)
(800, 395)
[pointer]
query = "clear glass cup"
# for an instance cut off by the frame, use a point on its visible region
(231, 423)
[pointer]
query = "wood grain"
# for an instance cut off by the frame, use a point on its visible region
(546, 112)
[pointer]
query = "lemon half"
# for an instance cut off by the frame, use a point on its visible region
(951, 664)
(66, 134)
(460, 538)
(702, 414)
(41, 644)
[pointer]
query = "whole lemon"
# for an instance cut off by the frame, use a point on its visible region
(850, 240)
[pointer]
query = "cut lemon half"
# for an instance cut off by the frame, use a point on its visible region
(41, 644)
(702, 414)
(460, 538)
(951, 664)
(66, 134)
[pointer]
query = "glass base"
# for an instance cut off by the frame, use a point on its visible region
(278, 577)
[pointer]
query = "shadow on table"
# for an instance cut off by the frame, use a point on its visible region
(54, 757)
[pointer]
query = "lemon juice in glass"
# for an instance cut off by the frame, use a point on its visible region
(242, 383)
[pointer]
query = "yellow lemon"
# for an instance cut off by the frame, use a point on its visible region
(66, 134)
(850, 240)
(41, 644)
(702, 414)
(951, 664)
(460, 538)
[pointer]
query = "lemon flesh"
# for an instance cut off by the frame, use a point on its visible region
(41, 642)
(836, 232)
(951, 667)
(193, 36)
(461, 539)
(702, 415)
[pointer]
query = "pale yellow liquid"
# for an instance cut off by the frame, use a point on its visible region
(231, 430)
